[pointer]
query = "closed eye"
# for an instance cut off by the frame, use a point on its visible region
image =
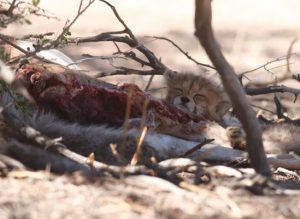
(178, 91)
(199, 98)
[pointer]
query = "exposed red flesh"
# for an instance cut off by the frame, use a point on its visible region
(91, 101)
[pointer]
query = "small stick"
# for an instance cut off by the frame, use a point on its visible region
(197, 147)
(137, 155)
(183, 52)
(289, 54)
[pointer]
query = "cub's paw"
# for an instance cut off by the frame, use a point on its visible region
(237, 137)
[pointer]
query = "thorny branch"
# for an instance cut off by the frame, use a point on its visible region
(205, 34)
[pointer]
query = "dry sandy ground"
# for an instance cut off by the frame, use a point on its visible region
(251, 33)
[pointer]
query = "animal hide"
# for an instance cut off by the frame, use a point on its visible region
(86, 100)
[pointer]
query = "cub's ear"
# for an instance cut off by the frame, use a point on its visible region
(169, 74)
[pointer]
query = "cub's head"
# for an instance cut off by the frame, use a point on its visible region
(196, 94)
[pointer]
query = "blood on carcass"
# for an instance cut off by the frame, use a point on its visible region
(86, 100)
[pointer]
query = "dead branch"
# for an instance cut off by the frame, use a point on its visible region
(109, 36)
(70, 161)
(127, 37)
(53, 43)
(264, 65)
(197, 147)
(67, 27)
(37, 36)
(9, 11)
(11, 8)
(183, 52)
(271, 89)
(7, 40)
(262, 108)
(279, 110)
(289, 54)
(267, 83)
(281, 115)
(38, 159)
(10, 162)
(204, 32)
(149, 83)
(88, 57)
(127, 71)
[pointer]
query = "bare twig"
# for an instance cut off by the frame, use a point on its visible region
(267, 83)
(197, 147)
(127, 71)
(289, 54)
(264, 65)
(138, 152)
(127, 30)
(126, 36)
(58, 39)
(11, 8)
(26, 53)
(38, 36)
(149, 82)
(67, 27)
(262, 108)
(271, 89)
(9, 42)
(133, 56)
(90, 57)
(9, 11)
(232, 85)
(279, 111)
(153, 61)
(183, 52)
(143, 131)
(126, 121)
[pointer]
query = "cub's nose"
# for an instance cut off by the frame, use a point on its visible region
(185, 99)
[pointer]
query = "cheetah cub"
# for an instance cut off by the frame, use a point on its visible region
(200, 95)
(196, 94)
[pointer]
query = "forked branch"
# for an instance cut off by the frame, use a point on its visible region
(127, 37)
